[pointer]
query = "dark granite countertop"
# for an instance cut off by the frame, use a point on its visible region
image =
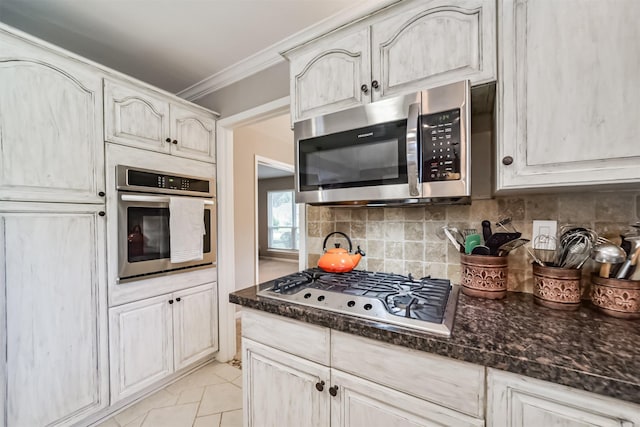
(582, 349)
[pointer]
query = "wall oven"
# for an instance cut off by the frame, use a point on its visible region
(144, 243)
(408, 149)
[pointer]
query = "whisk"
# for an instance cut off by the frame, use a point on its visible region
(574, 247)
(544, 246)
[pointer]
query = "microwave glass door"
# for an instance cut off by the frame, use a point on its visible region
(374, 155)
(148, 233)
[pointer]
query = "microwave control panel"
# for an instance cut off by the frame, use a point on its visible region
(168, 182)
(441, 146)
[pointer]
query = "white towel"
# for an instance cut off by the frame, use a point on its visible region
(186, 227)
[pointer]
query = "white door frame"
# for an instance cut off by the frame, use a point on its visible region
(265, 161)
(226, 247)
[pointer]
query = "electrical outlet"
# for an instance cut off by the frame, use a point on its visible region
(544, 234)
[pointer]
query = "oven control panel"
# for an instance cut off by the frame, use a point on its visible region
(141, 179)
(441, 146)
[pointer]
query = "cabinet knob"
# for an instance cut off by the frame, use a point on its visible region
(168, 139)
(170, 301)
(178, 299)
(320, 386)
(364, 88)
(507, 160)
(333, 391)
(102, 213)
(374, 84)
(101, 194)
(175, 141)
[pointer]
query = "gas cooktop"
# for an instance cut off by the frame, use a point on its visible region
(425, 304)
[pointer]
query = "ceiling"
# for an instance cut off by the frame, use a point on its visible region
(171, 44)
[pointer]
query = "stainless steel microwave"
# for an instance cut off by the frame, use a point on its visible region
(144, 235)
(402, 150)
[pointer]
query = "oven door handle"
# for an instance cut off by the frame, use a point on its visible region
(413, 175)
(152, 199)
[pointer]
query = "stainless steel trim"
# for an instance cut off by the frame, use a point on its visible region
(413, 175)
(152, 199)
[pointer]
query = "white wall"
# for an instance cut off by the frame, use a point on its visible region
(249, 142)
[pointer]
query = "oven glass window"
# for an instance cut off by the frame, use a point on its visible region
(148, 233)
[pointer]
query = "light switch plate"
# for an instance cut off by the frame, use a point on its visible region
(547, 231)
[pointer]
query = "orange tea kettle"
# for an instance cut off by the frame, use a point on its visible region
(338, 260)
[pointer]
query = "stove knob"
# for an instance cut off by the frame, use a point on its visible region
(333, 391)
(321, 298)
(351, 303)
(368, 306)
(320, 386)
(307, 295)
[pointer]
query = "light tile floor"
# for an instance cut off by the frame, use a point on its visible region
(208, 397)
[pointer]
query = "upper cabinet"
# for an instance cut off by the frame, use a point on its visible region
(406, 48)
(50, 126)
(144, 119)
(568, 93)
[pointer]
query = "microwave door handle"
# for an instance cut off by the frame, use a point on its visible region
(412, 149)
(151, 199)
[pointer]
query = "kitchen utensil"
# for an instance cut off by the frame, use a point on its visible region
(635, 245)
(486, 230)
(446, 231)
(338, 260)
(507, 225)
(544, 247)
(481, 250)
(574, 246)
(607, 254)
(470, 242)
(504, 250)
(498, 239)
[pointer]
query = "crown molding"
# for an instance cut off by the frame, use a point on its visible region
(271, 56)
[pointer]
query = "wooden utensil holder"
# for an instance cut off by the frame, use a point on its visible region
(484, 276)
(616, 297)
(556, 287)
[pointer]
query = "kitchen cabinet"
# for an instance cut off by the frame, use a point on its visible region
(53, 281)
(141, 118)
(326, 381)
(568, 92)
(518, 401)
(152, 338)
(50, 126)
(408, 47)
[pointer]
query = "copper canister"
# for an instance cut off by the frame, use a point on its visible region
(484, 276)
(556, 287)
(616, 297)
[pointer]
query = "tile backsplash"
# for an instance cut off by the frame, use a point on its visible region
(403, 239)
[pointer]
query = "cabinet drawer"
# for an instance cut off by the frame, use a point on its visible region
(295, 337)
(456, 385)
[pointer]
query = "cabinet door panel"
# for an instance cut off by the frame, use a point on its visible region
(136, 118)
(433, 44)
(195, 324)
(195, 134)
(280, 389)
(328, 78)
(141, 345)
(56, 355)
(570, 88)
(51, 146)
(363, 403)
(518, 401)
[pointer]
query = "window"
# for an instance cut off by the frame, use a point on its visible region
(282, 220)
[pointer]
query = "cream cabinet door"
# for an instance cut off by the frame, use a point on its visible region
(331, 75)
(50, 126)
(282, 390)
(429, 43)
(140, 344)
(54, 281)
(195, 324)
(569, 93)
(517, 401)
(359, 402)
(193, 134)
(136, 117)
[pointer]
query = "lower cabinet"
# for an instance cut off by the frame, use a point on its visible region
(53, 356)
(518, 401)
(282, 389)
(152, 338)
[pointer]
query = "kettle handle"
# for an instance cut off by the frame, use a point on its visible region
(324, 244)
